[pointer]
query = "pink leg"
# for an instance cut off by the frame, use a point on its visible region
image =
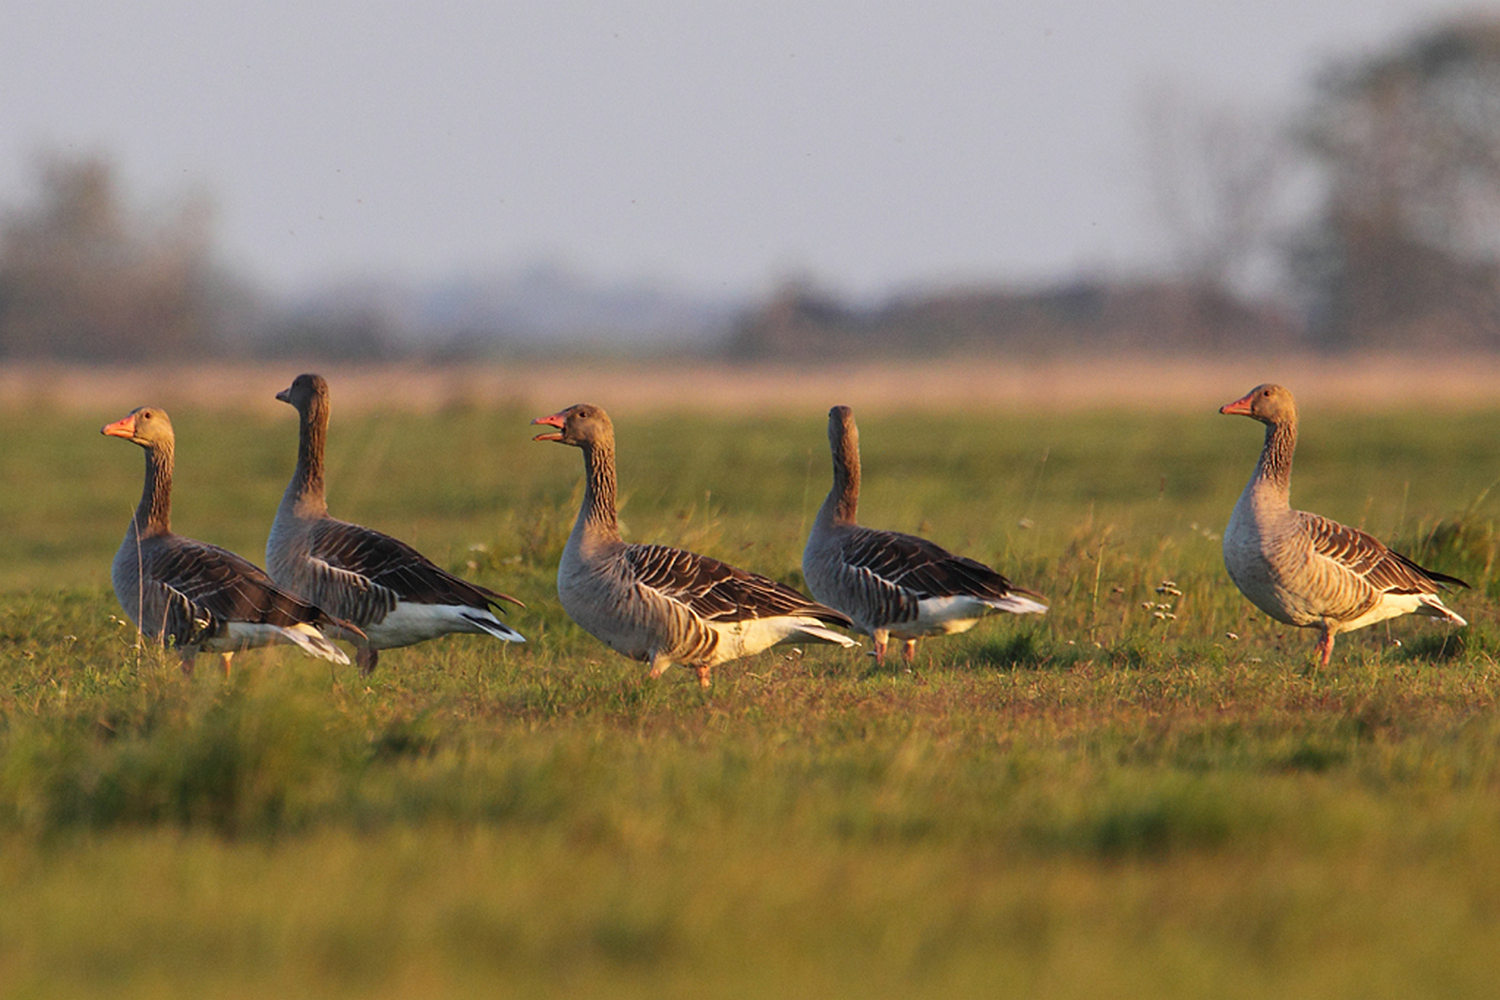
(365, 657)
(704, 672)
(188, 655)
(909, 653)
(224, 659)
(879, 638)
(1325, 645)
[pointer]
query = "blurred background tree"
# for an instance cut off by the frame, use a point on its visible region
(1219, 178)
(83, 277)
(1403, 246)
(1369, 220)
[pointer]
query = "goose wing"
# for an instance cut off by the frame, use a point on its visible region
(716, 591)
(1366, 557)
(921, 569)
(384, 570)
(202, 587)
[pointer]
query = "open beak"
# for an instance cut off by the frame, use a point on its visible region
(1240, 407)
(555, 420)
(122, 428)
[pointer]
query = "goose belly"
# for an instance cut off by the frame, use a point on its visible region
(1387, 606)
(1259, 567)
(409, 623)
(624, 625)
(125, 577)
(244, 635)
(942, 616)
(746, 638)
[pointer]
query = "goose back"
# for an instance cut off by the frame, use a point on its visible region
(190, 594)
(888, 582)
(1307, 570)
(659, 604)
(396, 595)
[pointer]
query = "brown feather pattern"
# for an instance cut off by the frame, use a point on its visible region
(1366, 556)
(205, 587)
(376, 570)
(717, 591)
(902, 569)
(1305, 569)
(357, 572)
(185, 592)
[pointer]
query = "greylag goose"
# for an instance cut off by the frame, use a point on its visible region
(190, 594)
(893, 584)
(1306, 570)
(390, 590)
(662, 605)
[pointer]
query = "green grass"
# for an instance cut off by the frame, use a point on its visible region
(1107, 801)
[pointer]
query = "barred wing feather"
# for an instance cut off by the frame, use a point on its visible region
(716, 591)
(228, 587)
(922, 569)
(374, 563)
(1367, 557)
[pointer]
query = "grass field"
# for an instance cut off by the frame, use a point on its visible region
(1144, 794)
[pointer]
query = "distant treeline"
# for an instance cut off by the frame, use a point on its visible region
(1147, 316)
(1369, 220)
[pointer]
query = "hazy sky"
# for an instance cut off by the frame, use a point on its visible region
(720, 146)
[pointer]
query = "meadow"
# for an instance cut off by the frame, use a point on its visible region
(1149, 792)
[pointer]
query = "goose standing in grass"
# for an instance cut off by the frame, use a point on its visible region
(662, 605)
(193, 595)
(893, 584)
(1306, 570)
(387, 588)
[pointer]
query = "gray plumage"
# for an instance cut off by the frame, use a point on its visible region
(658, 604)
(1307, 570)
(889, 583)
(191, 595)
(391, 591)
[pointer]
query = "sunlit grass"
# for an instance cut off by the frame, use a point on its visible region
(1148, 792)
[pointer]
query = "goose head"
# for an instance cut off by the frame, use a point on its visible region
(1269, 403)
(581, 425)
(841, 424)
(304, 390)
(146, 426)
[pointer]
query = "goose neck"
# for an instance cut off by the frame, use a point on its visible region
(153, 516)
(307, 489)
(1275, 465)
(599, 514)
(842, 504)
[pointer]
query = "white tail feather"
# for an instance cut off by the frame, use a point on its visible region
(1016, 604)
(314, 643)
(1434, 607)
(496, 628)
(817, 633)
